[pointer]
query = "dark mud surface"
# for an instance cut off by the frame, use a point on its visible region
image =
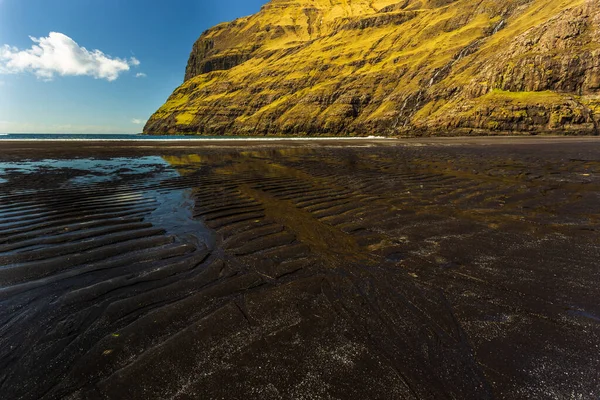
(299, 271)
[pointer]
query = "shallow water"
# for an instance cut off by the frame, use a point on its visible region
(382, 272)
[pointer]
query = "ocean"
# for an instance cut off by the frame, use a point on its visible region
(122, 137)
(82, 136)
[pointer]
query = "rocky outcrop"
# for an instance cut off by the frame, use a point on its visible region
(384, 67)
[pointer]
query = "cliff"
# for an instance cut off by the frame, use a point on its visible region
(383, 67)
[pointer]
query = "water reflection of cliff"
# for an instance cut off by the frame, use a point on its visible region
(298, 222)
(396, 225)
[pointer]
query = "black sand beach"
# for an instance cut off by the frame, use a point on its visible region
(376, 269)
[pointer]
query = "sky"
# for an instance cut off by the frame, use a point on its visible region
(97, 66)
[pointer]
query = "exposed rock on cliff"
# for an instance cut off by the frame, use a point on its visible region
(383, 67)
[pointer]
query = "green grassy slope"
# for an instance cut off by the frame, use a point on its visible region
(439, 67)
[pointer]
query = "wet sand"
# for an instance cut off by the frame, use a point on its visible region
(377, 269)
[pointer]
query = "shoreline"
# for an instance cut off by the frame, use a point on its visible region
(17, 149)
(202, 139)
(458, 140)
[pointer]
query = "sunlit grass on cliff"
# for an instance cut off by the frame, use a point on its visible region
(315, 63)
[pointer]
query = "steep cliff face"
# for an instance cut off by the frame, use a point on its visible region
(383, 67)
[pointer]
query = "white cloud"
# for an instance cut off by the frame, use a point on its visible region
(140, 75)
(58, 54)
(138, 121)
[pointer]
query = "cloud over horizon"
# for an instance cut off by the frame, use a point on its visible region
(138, 121)
(58, 54)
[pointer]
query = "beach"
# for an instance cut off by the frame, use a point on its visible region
(352, 269)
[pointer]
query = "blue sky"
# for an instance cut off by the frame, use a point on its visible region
(144, 45)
